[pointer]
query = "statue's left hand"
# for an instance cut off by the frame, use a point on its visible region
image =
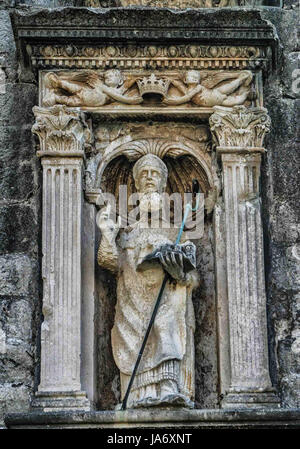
(173, 264)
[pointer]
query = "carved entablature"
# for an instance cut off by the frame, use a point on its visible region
(156, 57)
(142, 23)
(222, 39)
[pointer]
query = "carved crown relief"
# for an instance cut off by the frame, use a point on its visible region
(194, 88)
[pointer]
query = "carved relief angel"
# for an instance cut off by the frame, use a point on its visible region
(87, 89)
(220, 89)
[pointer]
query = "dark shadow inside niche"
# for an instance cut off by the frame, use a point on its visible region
(272, 3)
(107, 373)
(182, 170)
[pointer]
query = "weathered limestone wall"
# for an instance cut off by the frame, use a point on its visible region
(20, 234)
(20, 231)
(280, 185)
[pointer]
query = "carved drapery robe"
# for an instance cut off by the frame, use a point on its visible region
(169, 353)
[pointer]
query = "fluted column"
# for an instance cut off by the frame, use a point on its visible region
(238, 134)
(61, 133)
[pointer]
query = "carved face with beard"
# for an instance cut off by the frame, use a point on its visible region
(150, 176)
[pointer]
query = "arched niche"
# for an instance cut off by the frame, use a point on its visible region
(186, 159)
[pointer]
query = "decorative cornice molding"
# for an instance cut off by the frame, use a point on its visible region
(62, 131)
(122, 56)
(239, 129)
(187, 23)
(74, 30)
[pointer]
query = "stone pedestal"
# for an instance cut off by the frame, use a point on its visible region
(158, 418)
(62, 135)
(239, 134)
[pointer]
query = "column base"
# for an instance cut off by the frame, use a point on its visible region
(52, 401)
(251, 399)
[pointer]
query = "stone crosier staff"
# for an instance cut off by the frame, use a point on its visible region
(189, 208)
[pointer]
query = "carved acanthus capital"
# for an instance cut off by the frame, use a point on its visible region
(62, 131)
(239, 128)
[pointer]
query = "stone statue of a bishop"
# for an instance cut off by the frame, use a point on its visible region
(166, 372)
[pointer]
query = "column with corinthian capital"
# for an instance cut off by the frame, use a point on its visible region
(62, 133)
(244, 369)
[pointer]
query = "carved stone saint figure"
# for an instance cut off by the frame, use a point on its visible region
(87, 89)
(166, 372)
(221, 89)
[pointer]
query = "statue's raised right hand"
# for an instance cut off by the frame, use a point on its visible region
(106, 225)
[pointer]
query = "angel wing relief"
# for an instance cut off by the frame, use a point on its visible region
(212, 89)
(90, 89)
